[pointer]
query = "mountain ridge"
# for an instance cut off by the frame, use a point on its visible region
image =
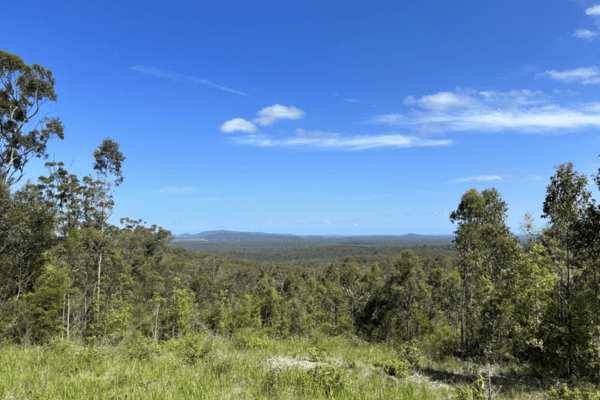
(236, 236)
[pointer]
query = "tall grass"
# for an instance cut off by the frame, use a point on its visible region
(205, 367)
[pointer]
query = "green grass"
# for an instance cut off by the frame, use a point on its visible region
(209, 367)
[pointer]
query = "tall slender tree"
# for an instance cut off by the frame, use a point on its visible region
(24, 133)
(566, 202)
(488, 255)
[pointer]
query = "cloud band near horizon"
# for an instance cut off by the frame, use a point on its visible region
(468, 110)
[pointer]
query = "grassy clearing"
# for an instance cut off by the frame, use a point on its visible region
(211, 367)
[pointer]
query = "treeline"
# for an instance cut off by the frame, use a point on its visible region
(314, 253)
(66, 271)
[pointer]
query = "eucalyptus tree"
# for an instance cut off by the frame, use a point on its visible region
(566, 203)
(24, 131)
(488, 253)
(108, 163)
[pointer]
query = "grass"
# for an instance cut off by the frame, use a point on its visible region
(210, 367)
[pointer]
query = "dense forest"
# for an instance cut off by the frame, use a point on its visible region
(67, 272)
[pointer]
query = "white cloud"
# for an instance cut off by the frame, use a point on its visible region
(585, 34)
(517, 110)
(336, 141)
(181, 78)
(272, 114)
(440, 101)
(486, 178)
(238, 124)
(595, 10)
(351, 100)
(584, 75)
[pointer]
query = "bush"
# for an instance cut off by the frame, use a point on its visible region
(250, 339)
(394, 367)
(474, 391)
(411, 353)
(138, 347)
(563, 392)
(192, 348)
(329, 379)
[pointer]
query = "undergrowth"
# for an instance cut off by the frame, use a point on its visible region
(205, 366)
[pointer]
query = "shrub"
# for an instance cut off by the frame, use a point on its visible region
(194, 347)
(250, 339)
(474, 391)
(329, 379)
(563, 392)
(138, 347)
(410, 352)
(394, 367)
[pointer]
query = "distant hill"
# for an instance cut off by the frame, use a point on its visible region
(233, 236)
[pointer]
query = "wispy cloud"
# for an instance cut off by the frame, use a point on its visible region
(183, 78)
(593, 11)
(238, 125)
(584, 75)
(468, 110)
(336, 141)
(346, 99)
(486, 178)
(270, 115)
(441, 101)
(175, 190)
(585, 34)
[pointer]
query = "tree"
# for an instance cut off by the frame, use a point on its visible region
(23, 133)
(566, 202)
(488, 255)
(46, 302)
(108, 162)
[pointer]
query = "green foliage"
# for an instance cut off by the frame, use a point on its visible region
(329, 379)
(474, 391)
(563, 392)
(394, 366)
(410, 352)
(114, 323)
(251, 339)
(317, 355)
(23, 91)
(193, 347)
(141, 348)
(46, 302)
(181, 309)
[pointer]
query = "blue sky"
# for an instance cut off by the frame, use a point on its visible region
(316, 117)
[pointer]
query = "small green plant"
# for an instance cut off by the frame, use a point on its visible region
(317, 355)
(410, 352)
(563, 392)
(270, 384)
(250, 339)
(329, 379)
(394, 367)
(474, 391)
